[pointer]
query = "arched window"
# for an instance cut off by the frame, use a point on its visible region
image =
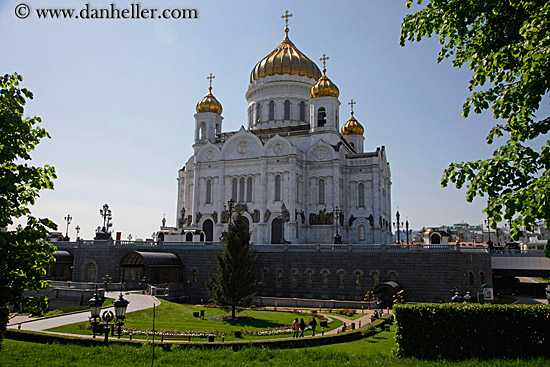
(277, 188)
(361, 234)
(470, 278)
(309, 277)
(321, 191)
(249, 189)
(357, 278)
(392, 275)
(241, 190)
(302, 111)
(90, 272)
(294, 276)
(201, 237)
(374, 279)
(287, 110)
(264, 276)
(279, 276)
(189, 237)
(271, 110)
(234, 189)
(481, 278)
(321, 117)
(194, 276)
(218, 129)
(298, 191)
(258, 112)
(324, 275)
(203, 130)
(208, 191)
(341, 277)
(361, 195)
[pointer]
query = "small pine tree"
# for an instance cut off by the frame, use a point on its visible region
(235, 283)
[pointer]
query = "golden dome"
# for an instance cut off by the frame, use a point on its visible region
(324, 88)
(209, 104)
(285, 59)
(352, 127)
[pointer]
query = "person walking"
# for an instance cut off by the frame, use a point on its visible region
(296, 328)
(313, 324)
(302, 327)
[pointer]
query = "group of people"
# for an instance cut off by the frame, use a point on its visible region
(299, 327)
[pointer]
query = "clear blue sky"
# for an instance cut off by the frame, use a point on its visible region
(118, 97)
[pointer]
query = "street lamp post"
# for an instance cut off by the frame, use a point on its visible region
(106, 214)
(336, 214)
(407, 228)
(77, 229)
(398, 216)
(68, 219)
(117, 319)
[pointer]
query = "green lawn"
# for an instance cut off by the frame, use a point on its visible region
(173, 316)
(373, 351)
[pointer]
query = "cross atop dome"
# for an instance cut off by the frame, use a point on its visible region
(324, 61)
(351, 103)
(286, 16)
(210, 77)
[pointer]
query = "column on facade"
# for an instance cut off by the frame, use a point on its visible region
(376, 206)
(292, 192)
(221, 190)
(196, 192)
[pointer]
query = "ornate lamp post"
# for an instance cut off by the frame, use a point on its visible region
(106, 214)
(337, 212)
(398, 216)
(77, 229)
(68, 219)
(105, 328)
(407, 228)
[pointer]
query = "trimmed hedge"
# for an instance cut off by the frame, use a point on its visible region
(286, 343)
(458, 331)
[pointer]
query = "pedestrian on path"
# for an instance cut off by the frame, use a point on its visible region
(296, 328)
(302, 327)
(313, 324)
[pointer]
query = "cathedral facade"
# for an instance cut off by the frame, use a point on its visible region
(294, 173)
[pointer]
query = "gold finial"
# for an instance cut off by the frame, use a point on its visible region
(285, 17)
(210, 79)
(324, 61)
(351, 103)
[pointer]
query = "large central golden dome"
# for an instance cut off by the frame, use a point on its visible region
(285, 59)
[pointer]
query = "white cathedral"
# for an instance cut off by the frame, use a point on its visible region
(292, 172)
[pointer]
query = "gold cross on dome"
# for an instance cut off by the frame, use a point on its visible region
(210, 77)
(285, 17)
(324, 60)
(351, 103)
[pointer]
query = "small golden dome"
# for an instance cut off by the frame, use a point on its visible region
(352, 127)
(285, 59)
(209, 104)
(324, 88)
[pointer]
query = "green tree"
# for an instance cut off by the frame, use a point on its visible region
(506, 45)
(24, 254)
(235, 283)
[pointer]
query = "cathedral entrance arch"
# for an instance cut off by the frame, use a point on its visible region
(277, 231)
(435, 239)
(385, 292)
(208, 229)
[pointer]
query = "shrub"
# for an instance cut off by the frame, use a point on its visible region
(458, 331)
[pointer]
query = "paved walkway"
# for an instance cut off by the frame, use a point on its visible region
(137, 302)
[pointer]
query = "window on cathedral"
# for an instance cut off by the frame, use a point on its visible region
(277, 188)
(90, 272)
(249, 189)
(287, 110)
(234, 189)
(325, 276)
(302, 111)
(264, 276)
(321, 191)
(361, 233)
(203, 130)
(309, 277)
(194, 276)
(341, 278)
(271, 110)
(392, 275)
(357, 278)
(298, 191)
(208, 191)
(258, 112)
(218, 130)
(321, 117)
(361, 195)
(481, 278)
(279, 277)
(374, 279)
(241, 190)
(470, 278)
(189, 237)
(294, 276)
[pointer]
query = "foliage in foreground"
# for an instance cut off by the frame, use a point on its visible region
(235, 283)
(24, 255)
(506, 45)
(374, 351)
(458, 331)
